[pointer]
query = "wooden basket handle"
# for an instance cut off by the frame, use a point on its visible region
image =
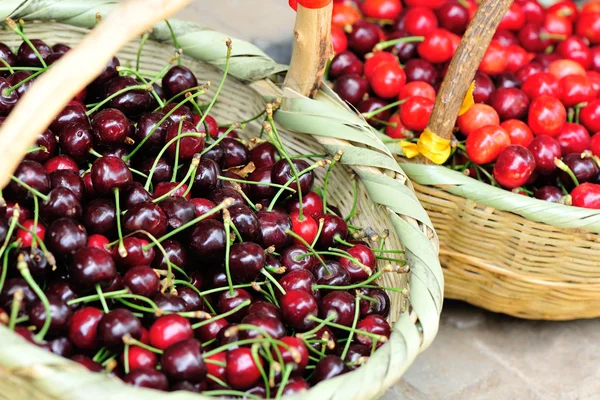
(312, 49)
(464, 64)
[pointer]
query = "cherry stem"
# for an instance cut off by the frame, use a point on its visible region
(138, 75)
(225, 178)
(164, 149)
(26, 274)
(389, 43)
(215, 362)
(309, 246)
(353, 211)
(309, 155)
(126, 358)
(9, 90)
(117, 93)
(564, 167)
(226, 225)
(224, 204)
(94, 297)
(341, 253)
(194, 288)
(225, 71)
(334, 160)
(237, 232)
(5, 259)
(32, 190)
(36, 215)
(174, 37)
(222, 289)
(8, 67)
(143, 40)
(381, 250)
(358, 285)
(256, 359)
(15, 307)
(232, 393)
(219, 139)
(222, 316)
(35, 149)
(314, 330)
(137, 306)
(38, 241)
(121, 249)
(214, 378)
(373, 113)
(102, 299)
(354, 322)
(20, 68)
(177, 145)
(296, 179)
(20, 32)
(273, 280)
(552, 36)
(191, 171)
(342, 241)
(257, 116)
(99, 354)
(127, 339)
(347, 329)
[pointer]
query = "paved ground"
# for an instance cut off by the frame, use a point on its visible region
(477, 354)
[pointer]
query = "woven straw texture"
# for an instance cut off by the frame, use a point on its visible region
(510, 254)
(323, 125)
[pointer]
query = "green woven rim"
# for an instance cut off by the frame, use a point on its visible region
(326, 116)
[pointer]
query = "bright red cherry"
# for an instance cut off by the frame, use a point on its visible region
(577, 89)
(590, 116)
(98, 241)
(595, 144)
(241, 371)
(576, 49)
(586, 195)
(518, 57)
(381, 9)
(518, 131)
(540, 84)
(588, 26)
(396, 129)
(545, 149)
(573, 138)
(417, 88)
(547, 115)
(344, 14)
(415, 113)
(312, 204)
(562, 68)
(387, 80)
(514, 166)
(83, 327)
(375, 60)
(169, 329)
(338, 39)
(437, 47)
(495, 60)
(140, 358)
(486, 143)
(477, 116)
(26, 237)
(419, 21)
(305, 227)
(514, 18)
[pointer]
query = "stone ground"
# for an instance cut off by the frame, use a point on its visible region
(477, 354)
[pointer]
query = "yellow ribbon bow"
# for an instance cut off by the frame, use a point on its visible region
(430, 145)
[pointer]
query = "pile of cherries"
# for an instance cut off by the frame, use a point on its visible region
(144, 241)
(535, 127)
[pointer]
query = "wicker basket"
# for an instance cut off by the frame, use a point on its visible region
(386, 199)
(499, 250)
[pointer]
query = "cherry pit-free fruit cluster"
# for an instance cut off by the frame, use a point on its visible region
(147, 242)
(535, 125)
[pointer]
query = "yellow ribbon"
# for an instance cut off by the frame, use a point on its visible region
(468, 101)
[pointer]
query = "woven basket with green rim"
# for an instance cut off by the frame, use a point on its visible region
(499, 250)
(323, 124)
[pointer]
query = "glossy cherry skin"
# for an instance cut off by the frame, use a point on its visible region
(142, 280)
(339, 305)
(216, 370)
(135, 195)
(19, 76)
(148, 126)
(514, 166)
(421, 70)
(140, 358)
(295, 354)
(9, 289)
(209, 331)
(99, 216)
(453, 16)
(297, 307)
(7, 55)
(373, 104)
(47, 140)
(234, 153)
(544, 150)
(329, 367)
(83, 328)
(548, 193)
(363, 37)
(167, 187)
(590, 116)
(61, 203)
(27, 57)
(518, 131)
(273, 226)
(178, 211)
(109, 173)
(177, 79)
(351, 88)
(92, 266)
(72, 113)
(246, 222)
(88, 363)
(586, 195)
(7, 100)
(63, 291)
(33, 174)
(415, 113)
(182, 112)
(263, 155)
(207, 240)
(188, 145)
(365, 256)
(98, 241)
(148, 378)
(510, 103)
(132, 103)
(169, 329)
(228, 302)
(547, 116)
(65, 236)
(332, 274)
(300, 279)
(381, 305)
(205, 180)
(26, 236)
(136, 254)
(485, 144)
(264, 308)
(246, 260)
(241, 370)
(70, 180)
(345, 63)
(163, 171)
(183, 361)
(373, 324)
(270, 325)
(175, 252)
(387, 80)
(110, 126)
(296, 257)
(262, 175)
(304, 226)
(116, 324)
(61, 346)
(60, 315)
(585, 169)
(573, 138)
(419, 21)
(333, 227)
(479, 115)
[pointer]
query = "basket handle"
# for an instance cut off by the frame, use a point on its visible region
(312, 49)
(464, 64)
(55, 88)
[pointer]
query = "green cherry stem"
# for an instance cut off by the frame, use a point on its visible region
(354, 322)
(389, 43)
(135, 73)
(92, 110)
(373, 113)
(214, 378)
(220, 138)
(359, 285)
(174, 38)
(309, 246)
(319, 230)
(126, 358)
(121, 248)
(15, 307)
(19, 32)
(353, 211)
(177, 144)
(191, 172)
(5, 261)
(102, 299)
(335, 159)
(226, 225)
(26, 274)
(564, 167)
(9, 90)
(36, 216)
(273, 280)
(221, 316)
(127, 339)
(286, 376)
(225, 178)
(32, 190)
(347, 329)
(7, 65)
(320, 163)
(194, 288)
(95, 297)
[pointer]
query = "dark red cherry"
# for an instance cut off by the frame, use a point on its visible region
(365, 256)
(36, 262)
(61, 203)
(215, 153)
(192, 299)
(182, 361)
(345, 63)
(210, 330)
(228, 302)
(241, 185)
(188, 145)
(117, 324)
(245, 222)
(510, 103)
(241, 371)
(63, 291)
(28, 58)
(99, 216)
(163, 171)
(246, 260)
(332, 274)
(273, 227)
(207, 240)
(234, 153)
(136, 195)
(262, 175)
(329, 367)
(109, 173)
(177, 79)
(148, 378)
(205, 180)
(110, 71)
(585, 169)
(110, 126)
(132, 103)
(68, 179)
(573, 138)
(548, 193)
(169, 329)
(507, 80)
(19, 76)
(32, 174)
(7, 100)
(295, 353)
(375, 324)
(76, 141)
(265, 323)
(351, 88)
(142, 280)
(176, 253)
(420, 70)
(91, 266)
(60, 162)
(453, 16)
(178, 211)
(179, 113)
(545, 149)
(333, 227)
(60, 48)
(363, 37)
(65, 236)
(148, 126)
(263, 155)
(10, 287)
(297, 257)
(7, 55)
(60, 315)
(167, 187)
(83, 328)
(282, 172)
(46, 140)
(72, 113)
(380, 305)
(297, 307)
(169, 303)
(356, 353)
(339, 306)
(264, 308)
(61, 346)
(136, 254)
(88, 363)
(300, 279)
